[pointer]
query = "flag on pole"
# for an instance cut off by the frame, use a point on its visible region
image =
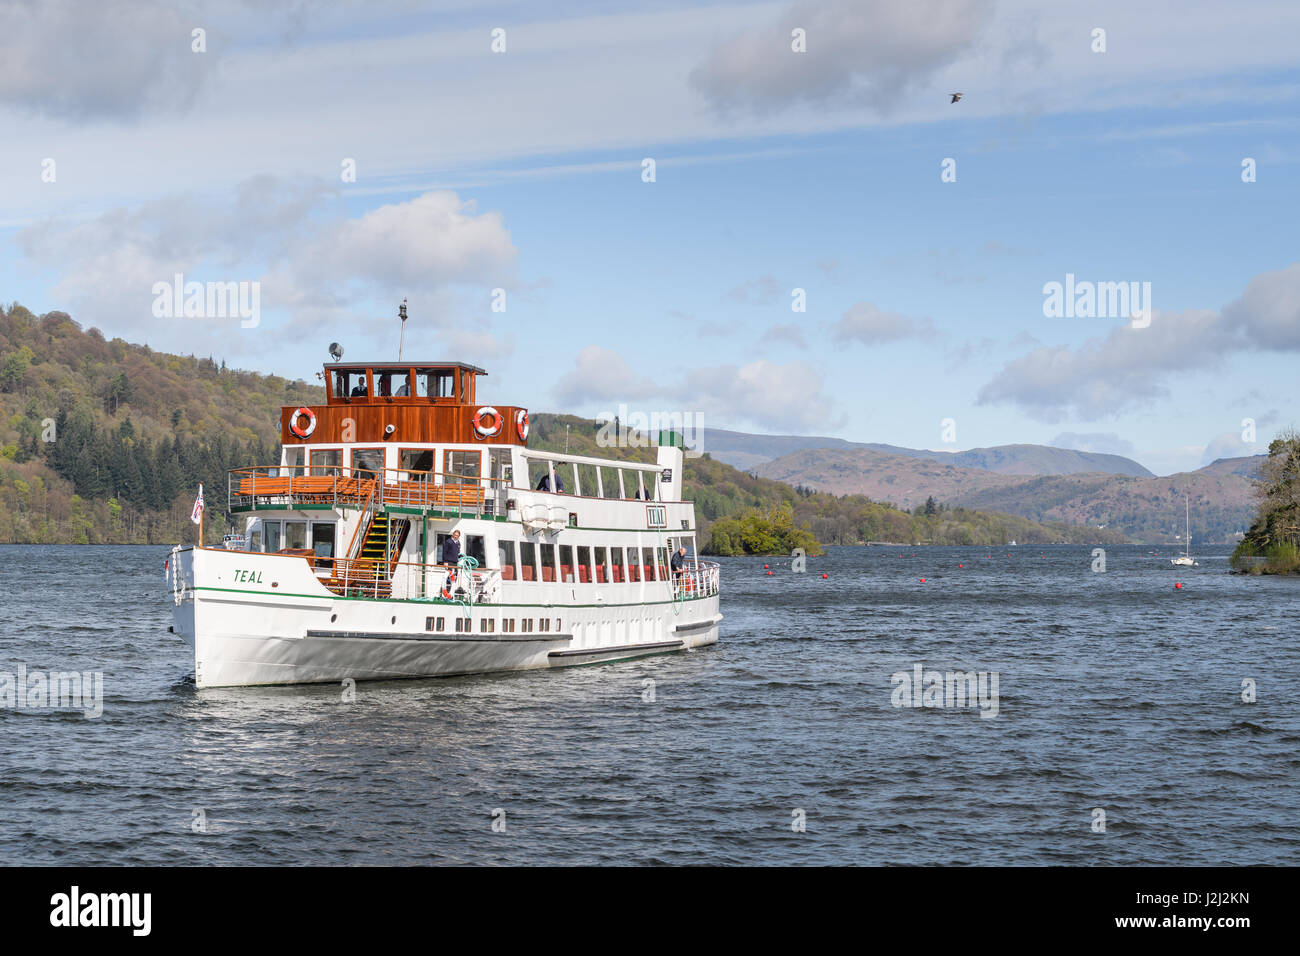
(197, 514)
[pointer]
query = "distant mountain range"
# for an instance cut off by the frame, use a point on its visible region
(1037, 482)
(1146, 508)
(747, 451)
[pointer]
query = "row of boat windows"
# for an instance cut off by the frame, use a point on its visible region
(487, 625)
(581, 564)
(458, 466)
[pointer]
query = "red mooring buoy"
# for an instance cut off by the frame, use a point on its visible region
(825, 575)
(1178, 586)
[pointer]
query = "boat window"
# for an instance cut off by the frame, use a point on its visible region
(663, 564)
(547, 554)
(416, 462)
(367, 462)
(350, 383)
(254, 542)
(293, 461)
(327, 461)
(527, 561)
(389, 383)
(474, 548)
(598, 572)
(506, 559)
(322, 538)
(463, 467)
(567, 574)
(616, 565)
(584, 565)
(271, 531)
(501, 467)
(648, 563)
(295, 534)
(486, 625)
(633, 565)
(435, 383)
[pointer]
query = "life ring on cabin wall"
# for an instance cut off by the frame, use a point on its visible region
(297, 429)
(521, 424)
(487, 421)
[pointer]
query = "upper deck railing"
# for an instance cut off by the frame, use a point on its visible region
(329, 486)
(332, 486)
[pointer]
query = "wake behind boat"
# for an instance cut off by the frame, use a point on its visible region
(347, 567)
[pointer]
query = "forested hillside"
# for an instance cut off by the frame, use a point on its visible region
(106, 442)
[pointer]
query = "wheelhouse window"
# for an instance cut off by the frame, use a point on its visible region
(350, 383)
(392, 383)
(435, 383)
(367, 462)
(327, 461)
(272, 536)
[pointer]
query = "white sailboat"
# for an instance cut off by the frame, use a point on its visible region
(1185, 560)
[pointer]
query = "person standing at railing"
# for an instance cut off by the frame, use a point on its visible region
(679, 565)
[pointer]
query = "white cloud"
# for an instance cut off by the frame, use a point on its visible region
(1129, 367)
(864, 52)
(867, 323)
(767, 394)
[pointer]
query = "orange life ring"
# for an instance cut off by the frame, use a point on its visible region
(299, 430)
(521, 424)
(487, 421)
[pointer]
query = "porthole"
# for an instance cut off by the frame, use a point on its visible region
(333, 618)
(393, 620)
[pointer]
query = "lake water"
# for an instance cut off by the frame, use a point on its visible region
(1115, 692)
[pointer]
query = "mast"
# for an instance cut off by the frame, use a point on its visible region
(1187, 526)
(401, 314)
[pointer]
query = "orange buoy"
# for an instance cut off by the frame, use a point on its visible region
(1178, 586)
(922, 580)
(825, 575)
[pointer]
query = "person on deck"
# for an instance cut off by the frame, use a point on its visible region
(678, 562)
(451, 549)
(545, 483)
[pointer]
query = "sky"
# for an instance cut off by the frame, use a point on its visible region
(770, 216)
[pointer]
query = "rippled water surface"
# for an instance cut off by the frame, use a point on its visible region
(1116, 691)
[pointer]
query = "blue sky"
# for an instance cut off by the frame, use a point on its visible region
(774, 170)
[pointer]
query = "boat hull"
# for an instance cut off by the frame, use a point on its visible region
(257, 619)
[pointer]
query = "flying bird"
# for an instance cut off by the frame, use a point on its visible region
(956, 97)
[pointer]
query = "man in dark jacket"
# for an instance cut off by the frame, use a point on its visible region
(679, 562)
(451, 549)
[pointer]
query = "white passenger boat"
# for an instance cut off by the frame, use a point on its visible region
(341, 571)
